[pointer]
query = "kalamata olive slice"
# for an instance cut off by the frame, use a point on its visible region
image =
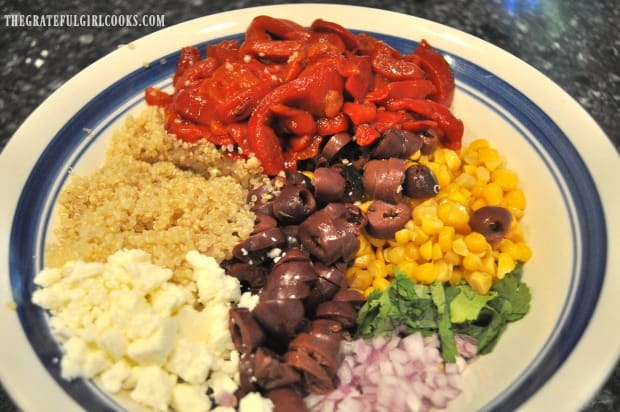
(246, 333)
(256, 248)
(383, 179)
(316, 377)
(263, 222)
(282, 317)
(397, 143)
(334, 145)
(354, 189)
(252, 275)
(340, 311)
(328, 238)
(491, 221)
(271, 372)
(430, 142)
(385, 219)
(420, 182)
(329, 185)
(293, 205)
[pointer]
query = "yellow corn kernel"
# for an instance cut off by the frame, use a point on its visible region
(396, 254)
(490, 158)
(365, 247)
(362, 261)
(456, 276)
(443, 176)
(408, 267)
(470, 157)
(452, 258)
(477, 204)
(453, 161)
(419, 237)
(376, 242)
(368, 291)
(472, 262)
(431, 225)
(480, 282)
(362, 279)
(482, 174)
(402, 236)
(488, 265)
(424, 210)
(470, 170)
(505, 264)
(507, 179)
(515, 198)
(379, 255)
(476, 242)
(436, 252)
(444, 271)
(426, 250)
(377, 269)
(438, 156)
(444, 239)
(308, 174)
(525, 253)
(415, 156)
(460, 247)
(453, 214)
(478, 144)
(493, 193)
(466, 180)
(412, 252)
(380, 283)
(364, 206)
(460, 196)
(425, 273)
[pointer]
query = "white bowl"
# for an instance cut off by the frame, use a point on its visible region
(555, 358)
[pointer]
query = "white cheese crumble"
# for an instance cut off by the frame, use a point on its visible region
(124, 324)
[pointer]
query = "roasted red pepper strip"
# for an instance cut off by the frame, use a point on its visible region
(452, 127)
(358, 84)
(366, 135)
(438, 71)
(155, 97)
(415, 89)
(389, 63)
(360, 112)
(312, 91)
(328, 126)
(323, 26)
(189, 56)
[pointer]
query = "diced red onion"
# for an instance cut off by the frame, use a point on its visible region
(395, 374)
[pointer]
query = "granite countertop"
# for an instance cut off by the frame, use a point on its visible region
(574, 43)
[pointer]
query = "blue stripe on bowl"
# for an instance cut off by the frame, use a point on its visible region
(583, 204)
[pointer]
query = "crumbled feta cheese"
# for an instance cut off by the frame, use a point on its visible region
(126, 325)
(254, 402)
(248, 301)
(189, 398)
(153, 387)
(191, 361)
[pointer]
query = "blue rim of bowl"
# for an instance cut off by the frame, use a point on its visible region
(578, 189)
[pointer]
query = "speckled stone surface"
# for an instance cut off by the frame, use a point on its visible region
(575, 43)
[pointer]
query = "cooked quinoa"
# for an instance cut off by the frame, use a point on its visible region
(148, 196)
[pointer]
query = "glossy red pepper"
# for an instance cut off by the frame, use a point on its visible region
(189, 56)
(415, 89)
(389, 63)
(359, 84)
(156, 97)
(360, 112)
(451, 126)
(313, 91)
(438, 71)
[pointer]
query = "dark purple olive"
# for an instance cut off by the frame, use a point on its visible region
(329, 185)
(385, 219)
(420, 182)
(246, 333)
(252, 275)
(491, 221)
(281, 317)
(430, 142)
(397, 143)
(383, 179)
(341, 311)
(293, 205)
(263, 222)
(328, 238)
(256, 248)
(334, 145)
(271, 373)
